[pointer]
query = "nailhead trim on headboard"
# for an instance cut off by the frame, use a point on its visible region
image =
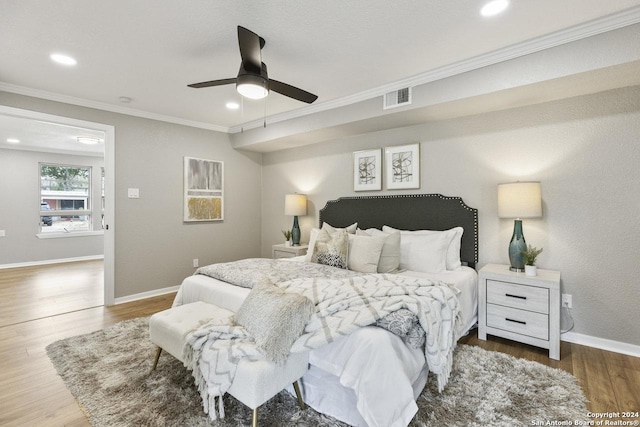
(365, 210)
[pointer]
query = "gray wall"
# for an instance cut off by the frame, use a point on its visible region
(585, 152)
(20, 205)
(153, 247)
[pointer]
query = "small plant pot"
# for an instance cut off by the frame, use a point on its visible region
(530, 270)
(287, 243)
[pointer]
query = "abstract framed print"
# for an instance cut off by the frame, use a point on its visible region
(402, 166)
(203, 190)
(367, 170)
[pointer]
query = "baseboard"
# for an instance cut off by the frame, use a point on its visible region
(148, 294)
(602, 343)
(51, 261)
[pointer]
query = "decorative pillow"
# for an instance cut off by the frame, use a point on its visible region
(390, 256)
(274, 318)
(364, 253)
(331, 230)
(331, 249)
(405, 324)
(350, 229)
(453, 250)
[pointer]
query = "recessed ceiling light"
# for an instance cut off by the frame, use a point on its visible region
(13, 140)
(494, 7)
(125, 99)
(233, 105)
(88, 140)
(63, 59)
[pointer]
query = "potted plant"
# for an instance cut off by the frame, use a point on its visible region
(529, 256)
(287, 236)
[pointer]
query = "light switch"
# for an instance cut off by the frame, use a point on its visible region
(2, 233)
(133, 193)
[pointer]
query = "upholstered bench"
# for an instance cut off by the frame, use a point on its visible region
(255, 382)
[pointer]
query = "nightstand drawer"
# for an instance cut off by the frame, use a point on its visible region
(524, 297)
(282, 254)
(518, 321)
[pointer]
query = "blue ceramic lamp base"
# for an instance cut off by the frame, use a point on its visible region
(516, 245)
(295, 232)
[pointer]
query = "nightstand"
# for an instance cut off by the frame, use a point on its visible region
(520, 307)
(282, 251)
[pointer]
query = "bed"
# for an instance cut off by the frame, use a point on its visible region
(372, 377)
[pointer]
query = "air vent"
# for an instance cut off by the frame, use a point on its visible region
(397, 98)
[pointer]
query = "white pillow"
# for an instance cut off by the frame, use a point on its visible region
(424, 252)
(390, 256)
(313, 236)
(364, 252)
(331, 230)
(453, 249)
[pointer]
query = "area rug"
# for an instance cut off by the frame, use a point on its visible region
(109, 374)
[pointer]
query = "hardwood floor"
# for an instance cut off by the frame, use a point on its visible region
(28, 293)
(31, 392)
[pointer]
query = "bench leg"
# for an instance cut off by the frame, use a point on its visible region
(297, 389)
(254, 418)
(155, 362)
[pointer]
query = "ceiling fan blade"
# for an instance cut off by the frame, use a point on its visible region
(291, 91)
(213, 83)
(250, 45)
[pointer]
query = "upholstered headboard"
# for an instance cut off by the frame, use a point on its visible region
(408, 212)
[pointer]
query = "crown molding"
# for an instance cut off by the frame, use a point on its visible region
(611, 22)
(51, 96)
(605, 24)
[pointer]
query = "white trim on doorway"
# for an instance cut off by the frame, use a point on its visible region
(109, 190)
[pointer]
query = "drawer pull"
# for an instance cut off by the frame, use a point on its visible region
(515, 321)
(515, 296)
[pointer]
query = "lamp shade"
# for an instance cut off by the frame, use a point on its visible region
(295, 204)
(519, 200)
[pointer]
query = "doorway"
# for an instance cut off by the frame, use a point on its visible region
(103, 217)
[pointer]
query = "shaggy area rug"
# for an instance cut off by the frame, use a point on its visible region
(109, 374)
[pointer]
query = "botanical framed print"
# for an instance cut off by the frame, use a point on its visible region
(203, 190)
(367, 170)
(402, 166)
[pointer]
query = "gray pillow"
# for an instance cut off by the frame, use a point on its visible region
(274, 318)
(364, 253)
(390, 257)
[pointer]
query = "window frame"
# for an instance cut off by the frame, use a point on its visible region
(88, 212)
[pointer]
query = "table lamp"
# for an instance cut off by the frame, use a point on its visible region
(295, 204)
(519, 200)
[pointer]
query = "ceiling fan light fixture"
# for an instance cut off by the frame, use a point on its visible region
(252, 86)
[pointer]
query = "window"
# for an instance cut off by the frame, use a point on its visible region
(65, 198)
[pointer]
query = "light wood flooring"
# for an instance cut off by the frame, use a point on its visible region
(31, 392)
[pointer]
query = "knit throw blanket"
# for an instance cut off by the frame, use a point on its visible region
(341, 307)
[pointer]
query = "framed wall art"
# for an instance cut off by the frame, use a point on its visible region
(367, 170)
(402, 166)
(203, 190)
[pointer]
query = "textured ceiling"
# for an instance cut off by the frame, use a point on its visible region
(149, 50)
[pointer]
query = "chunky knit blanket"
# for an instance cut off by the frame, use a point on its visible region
(342, 306)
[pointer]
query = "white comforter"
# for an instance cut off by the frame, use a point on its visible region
(382, 375)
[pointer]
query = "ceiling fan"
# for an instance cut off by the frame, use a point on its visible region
(252, 80)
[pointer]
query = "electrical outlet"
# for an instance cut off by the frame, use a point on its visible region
(567, 301)
(195, 262)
